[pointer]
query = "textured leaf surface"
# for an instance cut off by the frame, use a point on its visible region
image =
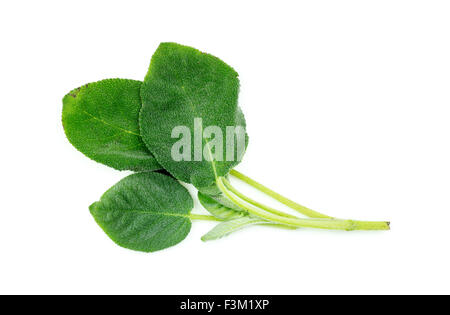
(183, 84)
(220, 207)
(145, 212)
(225, 228)
(101, 120)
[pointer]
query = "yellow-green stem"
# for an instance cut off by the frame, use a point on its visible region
(203, 217)
(291, 204)
(331, 224)
(254, 202)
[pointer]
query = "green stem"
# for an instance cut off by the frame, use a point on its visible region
(203, 217)
(254, 202)
(331, 224)
(280, 226)
(291, 204)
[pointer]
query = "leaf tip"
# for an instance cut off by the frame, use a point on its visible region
(74, 93)
(205, 238)
(93, 207)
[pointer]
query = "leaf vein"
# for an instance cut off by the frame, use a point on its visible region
(109, 124)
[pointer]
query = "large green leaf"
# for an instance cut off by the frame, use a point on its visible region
(183, 84)
(101, 120)
(145, 212)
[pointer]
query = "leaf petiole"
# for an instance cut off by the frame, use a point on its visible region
(203, 217)
(319, 223)
(286, 201)
(254, 202)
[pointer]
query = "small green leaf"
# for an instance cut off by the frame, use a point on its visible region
(145, 212)
(225, 228)
(220, 207)
(223, 209)
(101, 120)
(184, 85)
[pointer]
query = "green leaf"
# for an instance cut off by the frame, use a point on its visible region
(235, 217)
(101, 120)
(220, 207)
(145, 212)
(183, 84)
(225, 228)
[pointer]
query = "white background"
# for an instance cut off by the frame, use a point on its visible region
(347, 105)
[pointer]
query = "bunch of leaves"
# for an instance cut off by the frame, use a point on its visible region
(127, 125)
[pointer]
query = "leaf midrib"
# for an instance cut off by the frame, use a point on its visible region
(212, 162)
(152, 212)
(109, 124)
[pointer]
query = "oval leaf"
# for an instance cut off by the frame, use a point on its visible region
(145, 212)
(182, 86)
(101, 120)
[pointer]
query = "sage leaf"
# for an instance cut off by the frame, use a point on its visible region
(145, 212)
(101, 120)
(220, 207)
(182, 85)
(225, 228)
